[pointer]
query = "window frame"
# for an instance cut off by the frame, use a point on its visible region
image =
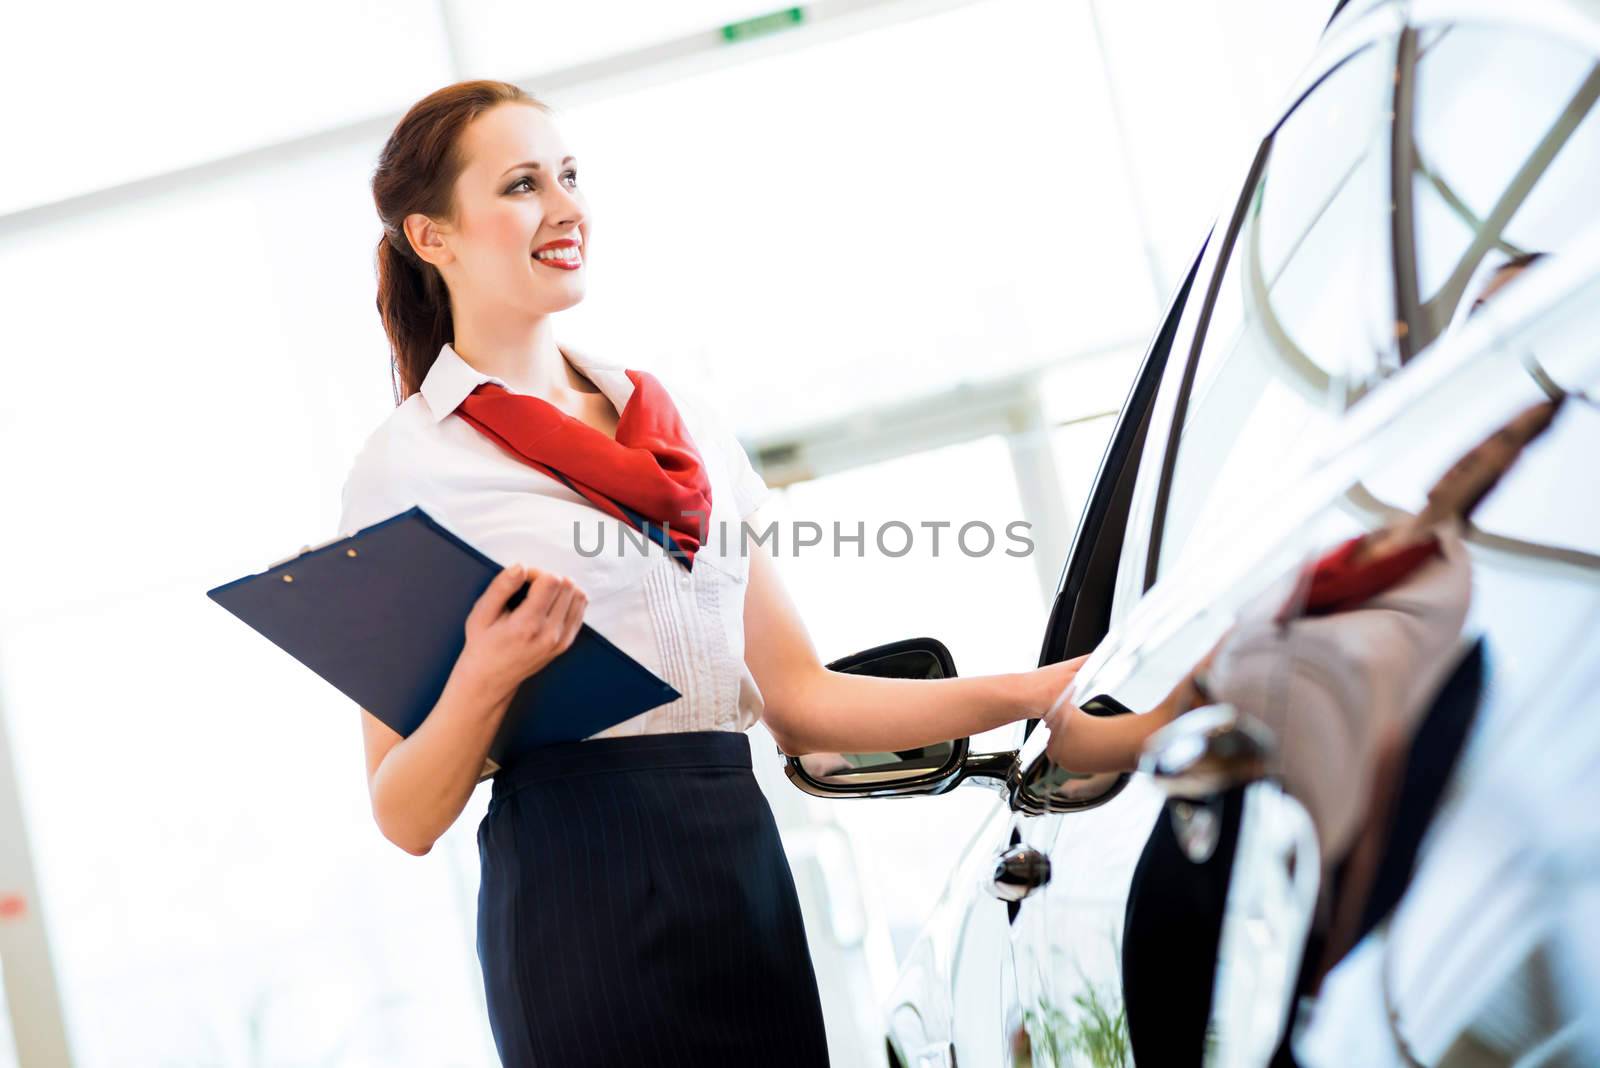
(1081, 611)
(1185, 385)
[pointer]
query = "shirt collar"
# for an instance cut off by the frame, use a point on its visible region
(451, 379)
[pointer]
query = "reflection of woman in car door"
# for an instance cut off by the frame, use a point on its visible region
(635, 904)
(1342, 661)
(1353, 572)
(1343, 703)
(1348, 576)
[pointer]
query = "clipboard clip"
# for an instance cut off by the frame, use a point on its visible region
(305, 549)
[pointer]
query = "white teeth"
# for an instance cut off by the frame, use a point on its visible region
(558, 254)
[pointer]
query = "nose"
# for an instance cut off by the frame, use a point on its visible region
(565, 207)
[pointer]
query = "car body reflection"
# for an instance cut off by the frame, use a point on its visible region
(1316, 372)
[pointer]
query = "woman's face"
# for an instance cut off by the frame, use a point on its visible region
(517, 193)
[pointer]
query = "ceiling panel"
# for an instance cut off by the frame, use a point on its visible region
(864, 220)
(98, 94)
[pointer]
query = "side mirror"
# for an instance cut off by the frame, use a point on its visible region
(1048, 788)
(928, 769)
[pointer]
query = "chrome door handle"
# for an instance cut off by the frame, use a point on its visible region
(1018, 872)
(1208, 750)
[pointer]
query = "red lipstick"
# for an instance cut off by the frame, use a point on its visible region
(569, 261)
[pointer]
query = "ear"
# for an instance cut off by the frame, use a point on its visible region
(428, 239)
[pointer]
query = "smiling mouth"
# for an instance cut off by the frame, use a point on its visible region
(562, 259)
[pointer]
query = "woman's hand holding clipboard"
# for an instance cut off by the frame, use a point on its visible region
(524, 620)
(387, 614)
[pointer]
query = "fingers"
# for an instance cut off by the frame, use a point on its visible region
(1059, 707)
(574, 619)
(493, 599)
(556, 618)
(1062, 675)
(552, 611)
(542, 589)
(1057, 718)
(560, 627)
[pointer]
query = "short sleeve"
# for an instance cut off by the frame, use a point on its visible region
(750, 490)
(368, 494)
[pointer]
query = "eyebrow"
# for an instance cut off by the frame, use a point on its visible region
(535, 166)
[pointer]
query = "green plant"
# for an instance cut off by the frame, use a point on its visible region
(1098, 1030)
(1101, 1035)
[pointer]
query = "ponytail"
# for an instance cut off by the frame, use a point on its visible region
(416, 172)
(415, 309)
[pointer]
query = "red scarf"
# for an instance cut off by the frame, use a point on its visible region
(1337, 584)
(650, 474)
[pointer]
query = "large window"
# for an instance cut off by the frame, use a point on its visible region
(986, 609)
(826, 231)
(1506, 150)
(511, 38)
(1302, 311)
(1507, 136)
(1506, 132)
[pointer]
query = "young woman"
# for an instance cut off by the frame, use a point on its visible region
(635, 904)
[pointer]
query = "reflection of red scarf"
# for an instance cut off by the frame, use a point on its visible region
(1337, 584)
(651, 474)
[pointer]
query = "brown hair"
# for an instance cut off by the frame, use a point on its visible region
(1522, 259)
(417, 172)
(1516, 263)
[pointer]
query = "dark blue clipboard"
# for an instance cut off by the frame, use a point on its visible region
(379, 615)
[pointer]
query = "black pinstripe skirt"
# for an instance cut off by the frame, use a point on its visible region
(636, 908)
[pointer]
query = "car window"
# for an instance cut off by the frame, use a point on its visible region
(1506, 131)
(1129, 583)
(1545, 509)
(1505, 149)
(1302, 313)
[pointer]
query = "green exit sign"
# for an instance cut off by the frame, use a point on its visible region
(761, 25)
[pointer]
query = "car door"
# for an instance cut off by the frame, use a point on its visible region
(1032, 979)
(1312, 294)
(1475, 906)
(1260, 374)
(1060, 949)
(1315, 296)
(959, 981)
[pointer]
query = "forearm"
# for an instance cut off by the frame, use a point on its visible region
(838, 712)
(1091, 744)
(425, 781)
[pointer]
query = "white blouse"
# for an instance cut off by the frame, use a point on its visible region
(687, 626)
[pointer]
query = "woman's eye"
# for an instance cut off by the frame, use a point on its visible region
(527, 179)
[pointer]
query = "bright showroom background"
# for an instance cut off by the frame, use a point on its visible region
(912, 247)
